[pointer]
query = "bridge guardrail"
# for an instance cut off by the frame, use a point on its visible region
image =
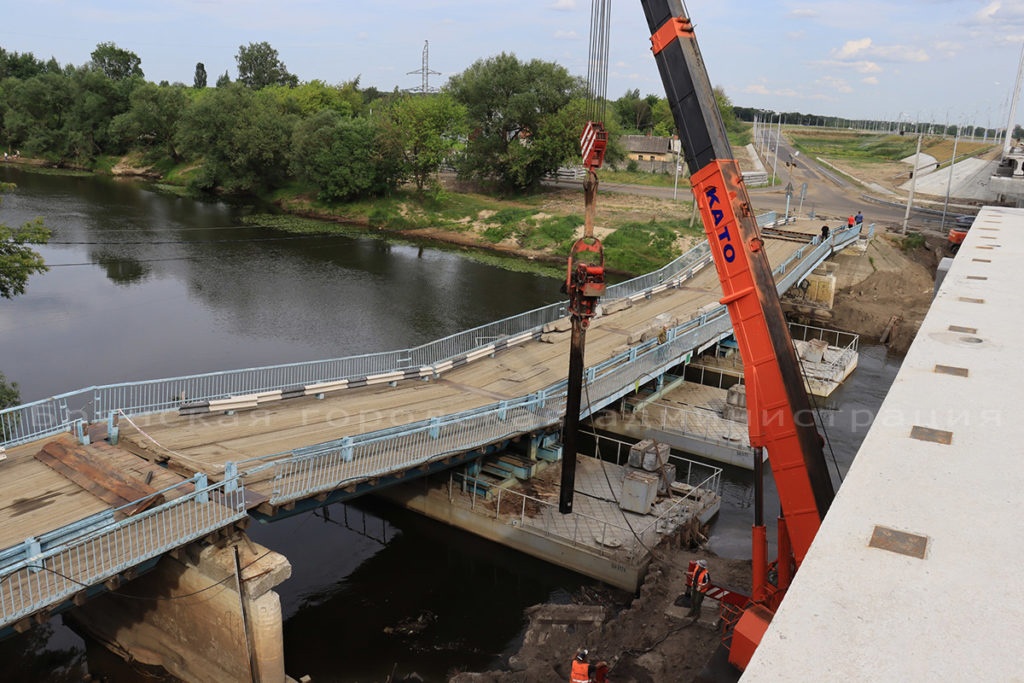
(317, 469)
(37, 419)
(46, 576)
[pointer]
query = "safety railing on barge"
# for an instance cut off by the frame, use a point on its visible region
(624, 542)
(43, 572)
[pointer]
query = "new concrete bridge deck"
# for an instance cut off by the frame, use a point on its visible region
(915, 573)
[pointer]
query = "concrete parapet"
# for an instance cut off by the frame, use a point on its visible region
(188, 616)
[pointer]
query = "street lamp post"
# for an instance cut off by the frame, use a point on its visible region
(949, 181)
(913, 182)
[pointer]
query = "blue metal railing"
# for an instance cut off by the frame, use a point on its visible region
(42, 572)
(41, 418)
(324, 467)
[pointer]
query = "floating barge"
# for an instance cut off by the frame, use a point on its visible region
(619, 512)
(702, 414)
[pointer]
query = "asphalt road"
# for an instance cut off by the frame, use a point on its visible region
(829, 196)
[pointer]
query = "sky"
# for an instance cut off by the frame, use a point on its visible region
(943, 61)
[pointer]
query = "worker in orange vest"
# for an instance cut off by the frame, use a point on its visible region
(700, 580)
(580, 667)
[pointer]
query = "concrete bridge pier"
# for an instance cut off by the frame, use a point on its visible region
(188, 615)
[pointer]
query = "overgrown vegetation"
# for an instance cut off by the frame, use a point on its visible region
(914, 240)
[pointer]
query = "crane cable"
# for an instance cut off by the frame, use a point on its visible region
(597, 60)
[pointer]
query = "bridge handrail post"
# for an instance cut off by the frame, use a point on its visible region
(33, 549)
(112, 429)
(202, 483)
(230, 476)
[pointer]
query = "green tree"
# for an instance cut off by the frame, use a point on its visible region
(199, 80)
(428, 129)
(732, 124)
(661, 117)
(223, 80)
(115, 63)
(344, 157)
(36, 119)
(9, 394)
(512, 107)
(241, 138)
(23, 65)
(259, 66)
(634, 113)
(152, 120)
(17, 258)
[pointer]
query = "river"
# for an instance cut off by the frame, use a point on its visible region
(145, 285)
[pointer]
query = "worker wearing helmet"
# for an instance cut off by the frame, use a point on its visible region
(700, 581)
(580, 667)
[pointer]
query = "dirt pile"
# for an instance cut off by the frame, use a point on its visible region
(892, 299)
(646, 640)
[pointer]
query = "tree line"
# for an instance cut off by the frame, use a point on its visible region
(502, 121)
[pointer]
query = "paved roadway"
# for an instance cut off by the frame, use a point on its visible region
(831, 196)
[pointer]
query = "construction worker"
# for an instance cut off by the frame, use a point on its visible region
(580, 667)
(700, 580)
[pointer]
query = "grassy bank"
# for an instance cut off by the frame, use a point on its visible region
(639, 233)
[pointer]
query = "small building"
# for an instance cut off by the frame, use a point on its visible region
(652, 153)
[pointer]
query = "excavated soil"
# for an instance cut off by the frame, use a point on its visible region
(647, 640)
(900, 286)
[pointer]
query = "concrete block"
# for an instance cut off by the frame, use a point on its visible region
(639, 491)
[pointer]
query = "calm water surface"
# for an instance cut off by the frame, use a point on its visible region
(145, 285)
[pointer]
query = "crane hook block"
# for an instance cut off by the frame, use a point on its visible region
(584, 279)
(593, 143)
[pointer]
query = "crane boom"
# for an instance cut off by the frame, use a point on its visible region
(780, 414)
(780, 418)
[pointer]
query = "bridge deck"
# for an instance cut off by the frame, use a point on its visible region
(915, 572)
(206, 442)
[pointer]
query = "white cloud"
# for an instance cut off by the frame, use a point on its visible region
(862, 66)
(901, 53)
(761, 89)
(804, 13)
(851, 48)
(988, 12)
(566, 35)
(564, 5)
(837, 84)
(870, 80)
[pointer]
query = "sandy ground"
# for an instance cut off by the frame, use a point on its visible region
(898, 284)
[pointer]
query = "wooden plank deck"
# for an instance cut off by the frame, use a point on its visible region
(34, 499)
(206, 442)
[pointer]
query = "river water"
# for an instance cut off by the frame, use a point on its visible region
(145, 285)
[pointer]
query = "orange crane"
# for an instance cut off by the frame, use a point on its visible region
(780, 416)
